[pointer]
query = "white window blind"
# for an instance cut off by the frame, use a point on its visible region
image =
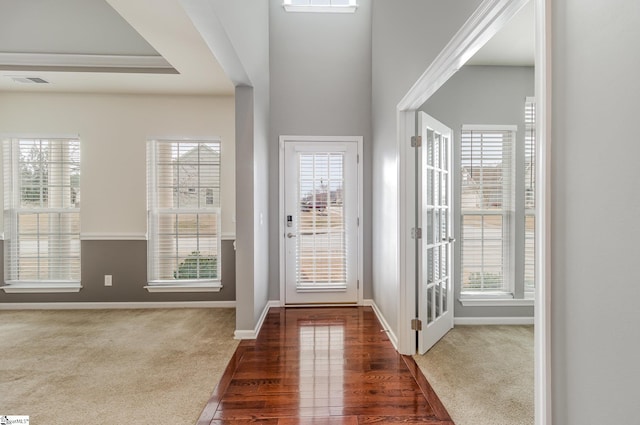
(530, 195)
(184, 211)
(42, 210)
(487, 204)
(322, 247)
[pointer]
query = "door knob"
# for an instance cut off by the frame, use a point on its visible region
(450, 240)
(291, 235)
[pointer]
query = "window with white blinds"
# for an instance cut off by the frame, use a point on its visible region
(487, 198)
(42, 210)
(184, 211)
(530, 195)
(322, 247)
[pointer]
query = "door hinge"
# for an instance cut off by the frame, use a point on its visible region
(416, 141)
(358, 222)
(358, 158)
(416, 325)
(416, 233)
(358, 284)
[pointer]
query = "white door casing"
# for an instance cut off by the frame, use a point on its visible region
(320, 209)
(488, 19)
(435, 285)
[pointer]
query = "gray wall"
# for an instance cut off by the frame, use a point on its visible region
(320, 66)
(484, 95)
(126, 261)
(595, 211)
(407, 36)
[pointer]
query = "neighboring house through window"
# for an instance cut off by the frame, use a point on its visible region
(42, 214)
(184, 215)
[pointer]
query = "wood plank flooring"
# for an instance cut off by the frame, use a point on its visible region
(322, 366)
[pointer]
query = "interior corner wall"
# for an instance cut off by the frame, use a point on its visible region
(483, 95)
(595, 206)
(320, 67)
(113, 130)
(246, 25)
(406, 38)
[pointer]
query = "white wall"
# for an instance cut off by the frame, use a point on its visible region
(321, 86)
(407, 36)
(113, 130)
(595, 211)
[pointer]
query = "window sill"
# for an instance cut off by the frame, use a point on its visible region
(185, 287)
(320, 9)
(495, 302)
(41, 288)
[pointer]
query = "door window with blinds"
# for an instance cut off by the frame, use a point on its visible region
(184, 212)
(320, 216)
(42, 211)
(487, 200)
(322, 246)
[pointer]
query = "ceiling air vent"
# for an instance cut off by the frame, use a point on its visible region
(29, 80)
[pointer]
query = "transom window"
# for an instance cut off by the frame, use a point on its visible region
(184, 212)
(42, 212)
(335, 6)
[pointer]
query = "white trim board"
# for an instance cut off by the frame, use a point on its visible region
(492, 321)
(41, 288)
(116, 305)
(85, 62)
(383, 321)
(186, 287)
(95, 236)
(131, 236)
(496, 302)
(253, 333)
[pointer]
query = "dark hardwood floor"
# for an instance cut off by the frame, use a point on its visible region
(322, 366)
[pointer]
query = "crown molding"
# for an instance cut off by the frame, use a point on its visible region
(84, 63)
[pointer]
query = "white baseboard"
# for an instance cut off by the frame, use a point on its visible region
(493, 321)
(253, 333)
(385, 325)
(116, 305)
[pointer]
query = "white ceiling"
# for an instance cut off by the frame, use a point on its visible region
(514, 45)
(49, 39)
(100, 46)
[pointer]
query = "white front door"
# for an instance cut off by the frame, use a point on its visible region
(434, 248)
(321, 222)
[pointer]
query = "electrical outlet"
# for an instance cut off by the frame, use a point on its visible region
(108, 281)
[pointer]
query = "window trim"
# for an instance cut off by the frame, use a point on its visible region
(11, 182)
(178, 285)
(508, 281)
(311, 8)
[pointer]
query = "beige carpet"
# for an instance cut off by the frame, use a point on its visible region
(112, 366)
(484, 374)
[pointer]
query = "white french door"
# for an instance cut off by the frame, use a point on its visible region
(320, 221)
(435, 307)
